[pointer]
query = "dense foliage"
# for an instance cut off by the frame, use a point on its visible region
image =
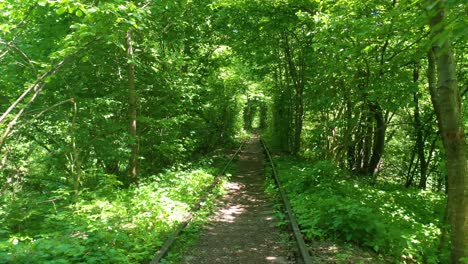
(105, 225)
(403, 225)
(97, 97)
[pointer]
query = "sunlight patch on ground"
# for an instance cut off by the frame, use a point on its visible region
(273, 259)
(234, 186)
(333, 249)
(230, 213)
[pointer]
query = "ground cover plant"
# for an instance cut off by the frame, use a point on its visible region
(97, 97)
(399, 223)
(107, 225)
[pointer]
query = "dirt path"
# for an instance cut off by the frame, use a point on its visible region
(243, 230)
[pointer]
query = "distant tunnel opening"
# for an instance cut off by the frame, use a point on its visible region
(255, 115)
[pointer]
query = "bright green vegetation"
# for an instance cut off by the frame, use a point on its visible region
(190, 234)
(105, 225)
(97, 97)
(399, 223)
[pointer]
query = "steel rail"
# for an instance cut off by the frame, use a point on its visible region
(171, 239)
(292, 219)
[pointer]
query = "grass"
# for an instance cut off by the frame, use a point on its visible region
(107, 225)
(352, 219)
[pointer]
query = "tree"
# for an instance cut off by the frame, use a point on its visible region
(446, 99)
(132, 108)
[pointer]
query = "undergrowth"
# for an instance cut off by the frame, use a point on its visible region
(106, 225)
(187, 239)
(401, 224)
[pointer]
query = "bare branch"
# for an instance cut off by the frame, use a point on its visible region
(44, 110)
(36, 86)
(13, 122)
(18, 50)
(4, 54)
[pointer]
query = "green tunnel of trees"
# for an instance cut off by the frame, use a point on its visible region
(106, 97)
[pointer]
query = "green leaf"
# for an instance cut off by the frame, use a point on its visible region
(376, 248)
(75, 26)
(61, 10)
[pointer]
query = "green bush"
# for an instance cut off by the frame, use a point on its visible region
(106, 225)
(391, 220)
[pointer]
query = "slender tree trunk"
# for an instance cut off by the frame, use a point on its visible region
(378, 138)
(430, 155)
(409, 174)
(287, 115)
(132, 106)
(298, 100)
(418, 128)
(248, 116)
(263, 116)
(75, 157)
(359, 153)
(447, 104)
(298, 120)
(350, 145)
(367, 147)
(299, 117)
(420, 144)
(4, 160)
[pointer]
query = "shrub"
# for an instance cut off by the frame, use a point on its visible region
(108, 225)
(400, 223)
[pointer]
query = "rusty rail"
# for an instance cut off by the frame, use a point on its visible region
(292, 219)
(168, 243)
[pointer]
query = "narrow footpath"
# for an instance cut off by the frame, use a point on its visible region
(244, 229)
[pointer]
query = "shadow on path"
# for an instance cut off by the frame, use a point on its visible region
(243, 230)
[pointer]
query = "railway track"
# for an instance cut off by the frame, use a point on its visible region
(197, 206)
(304, 252)
(302, 248)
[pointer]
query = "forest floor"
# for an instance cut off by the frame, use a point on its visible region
(244, 228)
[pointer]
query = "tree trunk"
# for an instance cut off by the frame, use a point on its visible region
(298, 83)
(418, 128)
(298, 120)
(350, 145)
(367, 147)
(359, 153)
(285, 112)
(263, 116)
(410, 174)
(447, 104)
(378, 138)
(132, 107)
(75, 157)
(420, 144)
